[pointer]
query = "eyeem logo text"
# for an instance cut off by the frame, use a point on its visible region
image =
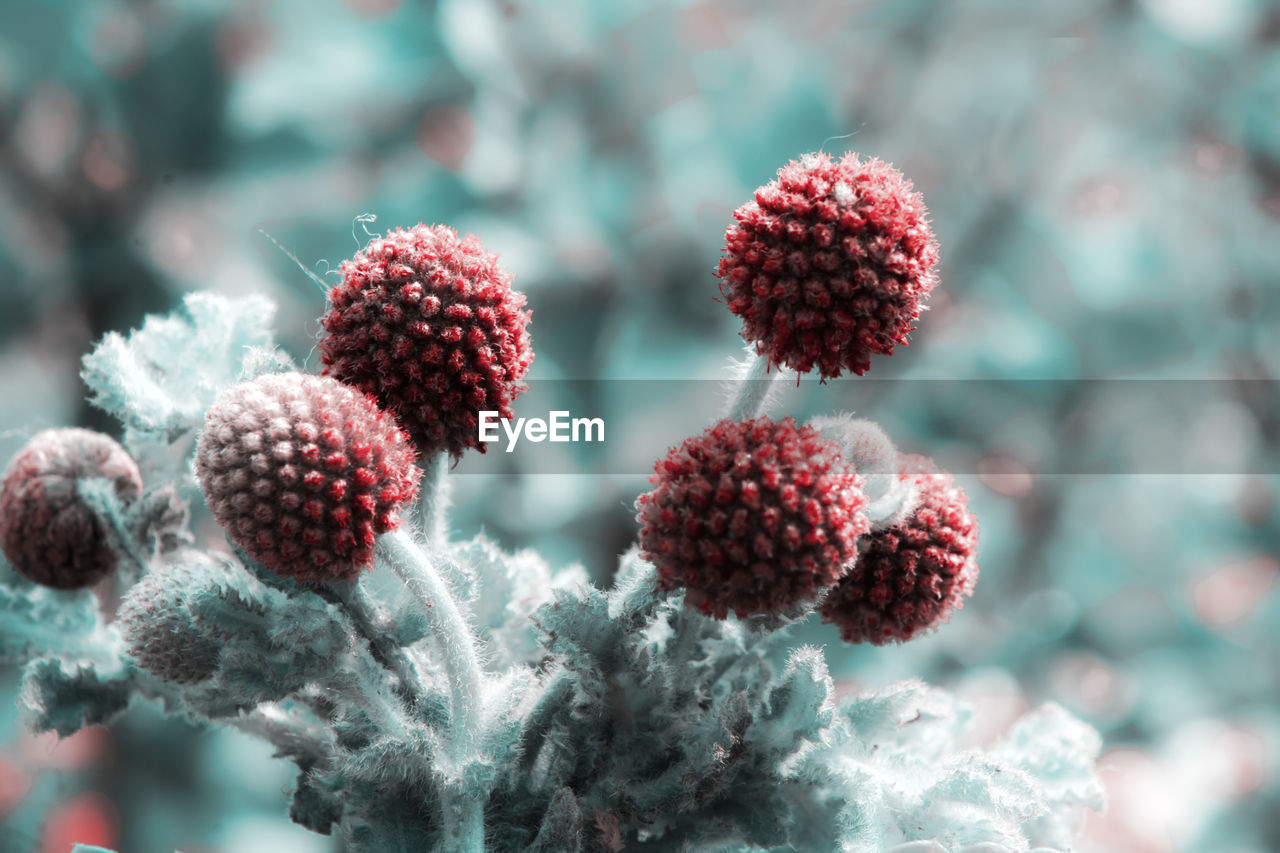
(558, 427)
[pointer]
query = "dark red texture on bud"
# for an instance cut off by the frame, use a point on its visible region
(47, 532)
(910, 577)
(829, 263)
(428, 324)
(160, 633)
(303, 472)
(753, 517)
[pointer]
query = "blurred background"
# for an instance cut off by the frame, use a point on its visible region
(1104, 179)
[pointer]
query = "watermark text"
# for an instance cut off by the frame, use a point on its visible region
(559, 426)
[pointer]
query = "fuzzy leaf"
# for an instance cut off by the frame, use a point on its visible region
(507, 590)
(1059, 753)
(399, 761)
(909, 715)
(634, 590)
(801, 708)
(575, 623)
(35, 620)
(65, 698)
(159, 519)
(271, 643)
(315, 806)
(259, 361)
(501, 725)
(977, 800)
(1058, 750)
(562, 827)
(162, 377)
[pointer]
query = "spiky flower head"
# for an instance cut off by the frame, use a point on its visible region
(427, 323)
(754, 517)
(909, 577)
(303, 472)
(829, 264)
(47, 531)
(160, 633)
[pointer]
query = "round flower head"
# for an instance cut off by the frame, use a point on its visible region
(303, 472)
(909, 577)
(428, 324)
(829, 264)
(50, 535)
(753, 517)
(160, 633)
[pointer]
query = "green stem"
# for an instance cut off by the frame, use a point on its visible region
(433, 500)
(752, 390)
(100, 495)
(554, 697)
(287, 733)
(463, 814)
(366, 688)
(366, 615)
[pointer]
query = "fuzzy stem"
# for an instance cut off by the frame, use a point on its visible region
(554, 697)
(463, 815)
(461, 662)
(286, 732)
(433, 500)
(687, 629)
(752, 390)
(366, 615)
(363, 686)
(100, 495)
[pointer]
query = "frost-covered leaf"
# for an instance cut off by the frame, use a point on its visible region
(162, 377)
(1059, 753)
(575, 624)
(64, 698)
(801, 708)
(562, 828)
(35, 620)
(315, 805)
(508, 589)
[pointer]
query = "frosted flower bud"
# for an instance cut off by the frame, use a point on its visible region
(426, 321)
(909, 577)
(303, 472)
(160, 633)
(48, 532)
(829, 264)
(753, 517)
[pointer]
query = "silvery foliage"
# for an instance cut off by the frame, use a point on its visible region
(610, 720)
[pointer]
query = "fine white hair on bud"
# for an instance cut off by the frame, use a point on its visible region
(161, 634)
(869, 449)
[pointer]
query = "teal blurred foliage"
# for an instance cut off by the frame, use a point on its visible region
(579, 720)
(1104, 179)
